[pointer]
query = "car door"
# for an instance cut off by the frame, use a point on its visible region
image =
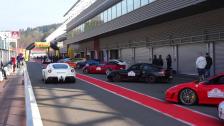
(134, 72)
(212, 92)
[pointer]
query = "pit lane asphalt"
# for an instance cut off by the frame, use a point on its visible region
(83, 104)
(158, 90)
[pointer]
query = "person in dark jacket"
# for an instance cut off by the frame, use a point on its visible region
(155, 60)
(169, 61)
(208, 65)
(160, 61)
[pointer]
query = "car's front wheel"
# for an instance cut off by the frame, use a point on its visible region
(85, 71)
(150, 79)
(188, 97)
(108, 71)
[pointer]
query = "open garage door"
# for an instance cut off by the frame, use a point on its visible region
(219, 57)
(127, 55)
(142, 55)
(187, 55)
(164, 51)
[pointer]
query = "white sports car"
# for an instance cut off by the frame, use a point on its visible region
(221, 110)
(60, 72)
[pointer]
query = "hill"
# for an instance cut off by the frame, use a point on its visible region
(31, 35)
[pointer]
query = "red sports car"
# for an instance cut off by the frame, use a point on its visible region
(102, 68)
(206, 92)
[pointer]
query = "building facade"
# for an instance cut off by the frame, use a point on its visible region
(135, 30)
(8, 45)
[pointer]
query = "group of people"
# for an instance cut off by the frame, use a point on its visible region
(203, 65)
(159, 61)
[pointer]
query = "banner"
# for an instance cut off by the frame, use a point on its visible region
(42, 44)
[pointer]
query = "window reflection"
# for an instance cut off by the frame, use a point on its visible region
(137, 4)
(109, 14)
(144, 2)
(114, 12)
(117, 10)
(130, 5)
(124, 7)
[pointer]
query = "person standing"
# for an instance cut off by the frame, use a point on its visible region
(208, 65)
(155, 60)
(200, 65)
(13, 62)
(160, 61)
(169, 61)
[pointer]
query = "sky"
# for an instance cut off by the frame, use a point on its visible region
(20, 14)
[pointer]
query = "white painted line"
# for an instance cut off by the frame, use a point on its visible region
(33, 117)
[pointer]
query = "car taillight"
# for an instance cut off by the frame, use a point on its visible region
(72, 70)
(49, 71)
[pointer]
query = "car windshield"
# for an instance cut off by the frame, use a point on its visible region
(60, 66)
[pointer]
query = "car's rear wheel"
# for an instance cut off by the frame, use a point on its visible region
(108, 71)
(85, 71)
(117, 78)
(150, 79)
(188, 97)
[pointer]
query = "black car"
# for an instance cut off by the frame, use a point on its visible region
(141, 72)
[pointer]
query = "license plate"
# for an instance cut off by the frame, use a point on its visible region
(60, 72)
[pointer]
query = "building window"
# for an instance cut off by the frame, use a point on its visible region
(105, 16)
(144, 2)
(114, 12)
(130, 5)
(124, 7)
(109, 14)
(137, 4)
(119, 9)
(102, 18)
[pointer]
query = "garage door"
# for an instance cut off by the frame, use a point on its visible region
(219, 57)
(187, 55)
(142, 55)
(127, 56)
(164, 51)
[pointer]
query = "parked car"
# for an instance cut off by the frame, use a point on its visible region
(120, 62)
(68, 61)
(81, 64)
(210, 91)
(103, 68)
(221, 110)
(59, 72)
(141, 72)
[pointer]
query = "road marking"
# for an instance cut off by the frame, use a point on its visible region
(182, 114)
(33, 117)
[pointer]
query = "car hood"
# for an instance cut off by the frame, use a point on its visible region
(184, 85)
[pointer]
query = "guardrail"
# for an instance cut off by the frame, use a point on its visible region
(33, 117)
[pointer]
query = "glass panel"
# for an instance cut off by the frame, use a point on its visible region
(114, 12)
(124, 7)
(137, 4)
(105, 16)
(102, 18)
(109, 14)
(130, 4)
(119, 9)
(144, 2)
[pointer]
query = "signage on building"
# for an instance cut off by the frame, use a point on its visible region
(42, 44)
(15, 35)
